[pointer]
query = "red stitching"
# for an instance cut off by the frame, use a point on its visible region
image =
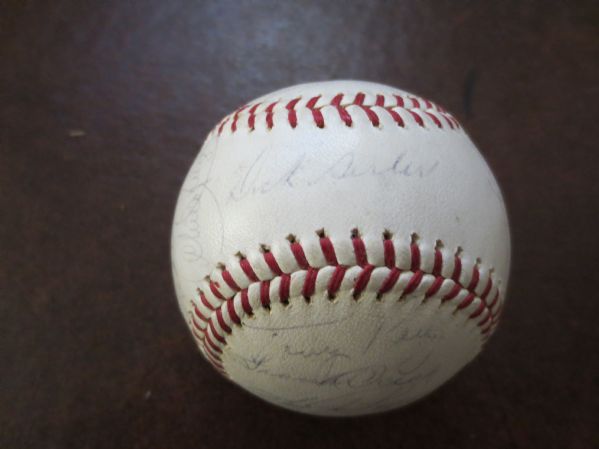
(475, 279)
(216, 334)
(196, 325)
(252, 116)
(359, 101)
(210, 333)
(390, 281)
(345, 117)
(434, 119)
(199, 314)
(221, 322)
(415, 256)
(310, 282)
(435, 286)
(457, 269)
(451, 124)
(415, 107)
(245, 302)
(492, 305)
(272, 263)
(269, 115)
(389, 252)
(362, 280)
(485, 319)
(478, 310)
(466, 301)
(232, 313)
(236, 117)
(230, 281)
(222, 125)
(396, 117)
(316, 114)
(360, 251)
(417, 118)
(291, 114)
(328, 250)
(300, 256)
(453, 292)
(248, 270)
(216, 361)
(438, 265)
(413, 283)
(211, 346)
(205, 302)
(284, 287)
(335, 281)
(264, 293)
(487, 289)
(214, 289)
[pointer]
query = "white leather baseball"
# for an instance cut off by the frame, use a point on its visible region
(340, 248)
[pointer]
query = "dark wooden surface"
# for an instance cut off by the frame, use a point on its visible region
(103, 106)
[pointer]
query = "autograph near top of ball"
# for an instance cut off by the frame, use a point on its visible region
(340, 248)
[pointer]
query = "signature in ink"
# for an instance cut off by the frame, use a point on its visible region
(380, 375)
(197, 197)
(400, 333)
(251, 363)
(326, 354)
(305, 171)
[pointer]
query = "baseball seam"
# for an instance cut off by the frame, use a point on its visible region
(403, 110)
(386, 266)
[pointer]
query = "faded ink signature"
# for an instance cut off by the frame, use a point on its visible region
(304, 171)
(197, 196)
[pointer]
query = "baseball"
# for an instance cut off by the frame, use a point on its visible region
(340, 248)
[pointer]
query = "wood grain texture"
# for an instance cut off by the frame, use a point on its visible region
(103, 107)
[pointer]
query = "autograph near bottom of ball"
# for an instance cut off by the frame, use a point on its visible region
(340, 248)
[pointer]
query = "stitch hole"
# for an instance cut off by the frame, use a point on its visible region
(291, 238)
(458, 251)
(414, 237)
(355, 233)
(264, 248)
(438, 244)
(240, 255)
(308, 299)
(387, 235)
(321, 233)
(221, 266)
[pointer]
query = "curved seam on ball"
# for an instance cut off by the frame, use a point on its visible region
(416, 110)
(460, 288)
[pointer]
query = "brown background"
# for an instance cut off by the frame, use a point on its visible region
(103, 106)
